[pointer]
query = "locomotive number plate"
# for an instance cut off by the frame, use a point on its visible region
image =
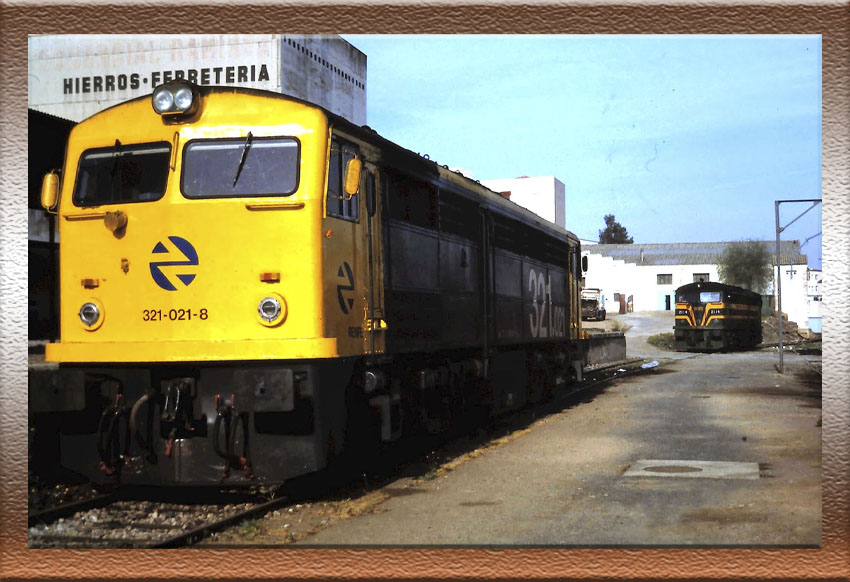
(175, 314)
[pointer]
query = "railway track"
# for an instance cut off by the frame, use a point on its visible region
(114, 521)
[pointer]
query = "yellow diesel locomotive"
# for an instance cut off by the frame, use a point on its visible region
(251, 285)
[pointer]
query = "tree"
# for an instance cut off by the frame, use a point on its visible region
(614, 233)
(747, 264)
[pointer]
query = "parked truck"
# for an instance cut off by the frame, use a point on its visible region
(592, 304)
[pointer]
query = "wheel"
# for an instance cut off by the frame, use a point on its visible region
(602, 315)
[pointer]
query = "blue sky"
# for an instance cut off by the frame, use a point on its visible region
(683, 138)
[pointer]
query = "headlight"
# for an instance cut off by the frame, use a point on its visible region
(183, 98)
(272, 309)
(175, 98)
(163, 100)
(91, 314)
(269, 309)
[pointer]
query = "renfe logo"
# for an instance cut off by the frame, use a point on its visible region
(345, 302)
(189, 254)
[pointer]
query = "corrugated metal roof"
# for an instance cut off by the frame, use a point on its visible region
(689, 253)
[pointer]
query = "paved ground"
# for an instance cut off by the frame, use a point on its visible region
(563, 482)
(565, 479)
(641, 325)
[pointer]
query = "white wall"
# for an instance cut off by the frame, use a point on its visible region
(611, 276)
(795, 294)
(616, 276)
(542, 195)
(815, 299)
(75, 76)
(326, 70)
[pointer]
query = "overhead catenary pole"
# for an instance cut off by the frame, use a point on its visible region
(778, 288)
(779, 229)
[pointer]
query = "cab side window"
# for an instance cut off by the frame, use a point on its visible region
(339, 204)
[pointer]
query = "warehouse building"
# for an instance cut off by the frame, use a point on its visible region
(75, 76)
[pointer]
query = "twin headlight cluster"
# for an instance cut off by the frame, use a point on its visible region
(175, 98)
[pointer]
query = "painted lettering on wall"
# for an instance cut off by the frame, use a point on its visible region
(225, 75)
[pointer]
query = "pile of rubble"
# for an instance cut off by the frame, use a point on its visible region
(770, 331)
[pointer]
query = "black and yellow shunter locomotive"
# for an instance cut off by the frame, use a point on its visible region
(713, 316)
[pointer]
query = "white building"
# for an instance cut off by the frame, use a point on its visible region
(815, 299)
(75, 76)
(644, 277)
(543, 195)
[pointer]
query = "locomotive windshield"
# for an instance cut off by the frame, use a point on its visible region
(122, 173)
(700, 296)
(710, 296)
(252, 166)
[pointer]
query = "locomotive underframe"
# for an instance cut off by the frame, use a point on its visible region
(248, 422)
(159, 424)
(704, 339)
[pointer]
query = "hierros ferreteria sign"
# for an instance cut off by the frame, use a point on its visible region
(227, 75)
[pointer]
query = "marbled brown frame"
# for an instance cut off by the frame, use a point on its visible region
(832, 20)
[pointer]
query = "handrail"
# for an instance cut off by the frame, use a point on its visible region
(274, 205)
(85, 216)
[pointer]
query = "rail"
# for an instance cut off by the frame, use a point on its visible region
(118, 521)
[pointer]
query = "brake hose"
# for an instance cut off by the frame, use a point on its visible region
(223, 415)
(244, 460)
(227, 414)
(145, 445)
(108, 439)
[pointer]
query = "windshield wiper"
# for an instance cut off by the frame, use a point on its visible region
(242, 159)
(116, 155)
(116, 166)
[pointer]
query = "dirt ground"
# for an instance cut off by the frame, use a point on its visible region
(645, 323)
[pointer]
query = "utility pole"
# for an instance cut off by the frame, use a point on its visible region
(779, 229)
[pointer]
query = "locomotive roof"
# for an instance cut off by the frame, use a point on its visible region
(398, 157)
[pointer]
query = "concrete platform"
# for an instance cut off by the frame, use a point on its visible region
(565, 481)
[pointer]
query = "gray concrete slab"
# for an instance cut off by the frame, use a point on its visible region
(655, 468)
